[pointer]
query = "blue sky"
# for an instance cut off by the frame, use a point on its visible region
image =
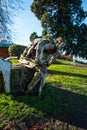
(26, 23)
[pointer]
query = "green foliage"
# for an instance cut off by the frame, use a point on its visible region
(44, 32)
(62, 18)
(82, 41)
(48, 37)
(33, 36)
(16, 50)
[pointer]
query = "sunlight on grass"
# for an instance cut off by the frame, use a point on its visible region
(68, 95)
(16, 61)
(71, 78)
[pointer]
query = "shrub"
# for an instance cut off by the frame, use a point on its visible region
(16, 50)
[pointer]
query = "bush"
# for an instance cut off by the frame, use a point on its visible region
(16, 50)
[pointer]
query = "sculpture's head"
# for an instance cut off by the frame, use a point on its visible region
(60, 42)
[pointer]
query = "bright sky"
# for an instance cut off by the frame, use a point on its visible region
(25, 23)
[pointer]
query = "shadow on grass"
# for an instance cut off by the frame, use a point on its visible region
(58, 104)
(66, 73)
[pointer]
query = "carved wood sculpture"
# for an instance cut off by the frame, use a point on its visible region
(39, 56)
(33, 66)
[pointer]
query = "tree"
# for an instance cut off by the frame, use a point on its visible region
(7, 9)
(16, 50)
(81, 45)
(61, 18)
(33, 36)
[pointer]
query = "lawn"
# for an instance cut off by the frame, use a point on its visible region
(73, 78)
(61, 106)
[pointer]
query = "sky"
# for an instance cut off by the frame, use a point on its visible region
(25, 23)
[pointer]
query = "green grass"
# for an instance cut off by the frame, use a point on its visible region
(73, 78)
(16, 61)
(68, 97)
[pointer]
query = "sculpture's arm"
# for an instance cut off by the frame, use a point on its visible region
(45, 44)
(51, 58)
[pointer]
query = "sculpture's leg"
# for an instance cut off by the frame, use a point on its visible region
(34, 81)
(42, 83)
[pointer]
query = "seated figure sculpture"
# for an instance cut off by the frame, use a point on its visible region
(38, 56)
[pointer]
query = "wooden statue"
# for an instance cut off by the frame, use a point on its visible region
(29, 76)
(38, 56)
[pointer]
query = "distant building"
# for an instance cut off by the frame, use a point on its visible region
(4, 45)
